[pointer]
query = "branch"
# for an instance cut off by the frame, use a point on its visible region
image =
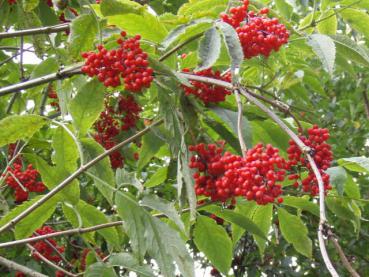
(366, 103)
(239, 123)
(342, 255)
(36, 31)
(69, 179)
(17, 267)
(62, 74)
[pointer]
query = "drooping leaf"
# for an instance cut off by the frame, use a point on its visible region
(164, 206)
(262, 218)
(129, 262)
(295, 232)
(357, 19)
(325, 49)
(337, 177)
(351, 50)
(18, 127)
(214, 242)
(86, 107)
(233, 44)
(83, 31)
(149, 234)
(105, 181)
(150, 146)
(65, 150)
(357, 164)
(301, 203)
(209, 48)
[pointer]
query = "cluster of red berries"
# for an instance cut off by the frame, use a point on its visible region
(84, 257)
(12, 2)
(117, 117)
(23, 181)
(128, 62)
(223, 177)
(322, 155)
(53, 95)
(44, 248)
(258, 34)
(206, 92)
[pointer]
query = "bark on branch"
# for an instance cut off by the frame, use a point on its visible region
(36, 31)
(17, 267)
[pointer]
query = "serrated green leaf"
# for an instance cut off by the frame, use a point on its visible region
(351, 50)
(209, 48)
(164, 206)
(65, 150)
(33, 221)
(83, 31)
(116, 7)
(328, 26)
(325, 49)
(233, 44)
(157, 178)
(358, 20)
(102, 170)
(214, 242)
(338, 178)
(47, 66)
(295, 232)
(18, 127)
(301, 203)
(86, 107)
(357, 164)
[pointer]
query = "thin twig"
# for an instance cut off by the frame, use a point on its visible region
(35, 31)
(366, 103)
(62, 74)
(239, 122)
(69, 179)
(17, 267)
(48, 262)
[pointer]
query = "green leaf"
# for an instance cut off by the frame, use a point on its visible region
(284, 8)
(157, 178)
(176, 33)
(116, 7)
(147, 25)
(230, 118)
(355, 3)
(148, 233)
(47, 66)
(338, 178)
(30, 5)
(302, 203)
(203, 8)
(328, 26)
(127, 261)
(357, 164)
(325, 49)
(86, 107)
(164, 206)
(100, 269)
(33, 221)
(236, 218)
(343, 209)
(65, 150)
(18, 127)
(262, 217)
(105, 181)
(83, 31)
(232, 42)
(214, 242)
(351, 50)
(151, 144)
(53, 176)
(125, 178)
(358, 20)
(91, 216)
(352, 189)
(295, 232)
(209, 48)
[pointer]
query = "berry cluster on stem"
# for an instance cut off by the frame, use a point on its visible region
(128, 63)
(258, 34)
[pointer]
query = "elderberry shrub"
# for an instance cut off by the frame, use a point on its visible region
(258, 34)
(208, 93)
(322, 156)
(225, 176)
(128, 63)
